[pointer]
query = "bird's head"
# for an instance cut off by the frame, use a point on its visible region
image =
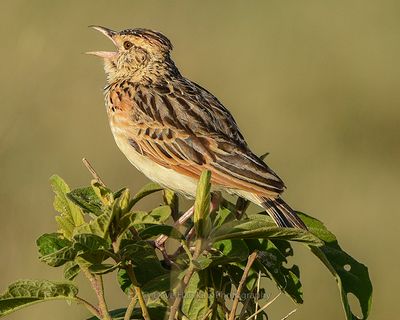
(139, 53)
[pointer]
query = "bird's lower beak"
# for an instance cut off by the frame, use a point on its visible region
(110, 35)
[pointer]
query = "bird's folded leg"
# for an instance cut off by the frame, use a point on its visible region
(160, 241)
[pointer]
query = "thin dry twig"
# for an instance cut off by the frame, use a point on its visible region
(242, 281)
(92, 171)
(94, 310)
(289, 314)
(265, 306)
(258, 291)
(131, 306)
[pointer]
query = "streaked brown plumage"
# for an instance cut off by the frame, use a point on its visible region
(172, 129)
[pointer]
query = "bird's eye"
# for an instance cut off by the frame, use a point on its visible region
(128, 45)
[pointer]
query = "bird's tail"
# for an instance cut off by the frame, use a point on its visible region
(283, 215)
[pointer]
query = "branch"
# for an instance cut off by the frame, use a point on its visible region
(131, 306)
(289, 314)
(92, 171)
(89, 306)
(96, 283)
(138, 291)
(258, 291)
(250, 262)
(185, 281)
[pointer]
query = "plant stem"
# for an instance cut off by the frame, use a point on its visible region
(289, 314)
(92, 171)
(258, 292)
(102, 301)
(250, 262)
(266, 306)
(138, 291)
(130, 308)
(182, 286)
(89, 306)
(96, 283)
(185, 281)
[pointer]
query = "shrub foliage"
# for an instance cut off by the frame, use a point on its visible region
(213, 270)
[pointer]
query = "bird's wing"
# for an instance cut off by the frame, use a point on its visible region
(187, 129)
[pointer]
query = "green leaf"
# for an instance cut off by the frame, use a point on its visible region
(143, 258)
(159, 229)
(70, 215)
(234, 250)
(119, 209)
(103, 193)
(261, 226)
(24, 293)
(90, 242)
(124, 281)
(222, 286)
(97, 226)
(199, 296)
(202, 222)
(138, 219)
(103, 268)
(171, 199)
(161, 283)
(87, 199)
(71, 270)
(54, 249)
(156, 311)
(351, 275)
(272, 261)
(225, 251)
(91, 248)
(160, 214)
(145, 191)
(223, 215)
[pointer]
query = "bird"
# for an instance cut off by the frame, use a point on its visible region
(172, 129)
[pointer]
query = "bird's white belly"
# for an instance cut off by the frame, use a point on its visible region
(166, 177)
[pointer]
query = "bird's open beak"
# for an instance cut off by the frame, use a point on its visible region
(109, 34)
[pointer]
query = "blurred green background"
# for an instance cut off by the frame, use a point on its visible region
(315, 83)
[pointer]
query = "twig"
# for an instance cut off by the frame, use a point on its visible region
(250, 262)
(102, 300)
(247, 301)
(181, 291)
(138, 291)
(89, 306)
(258, 291)
(92, 171)
(183, 284)
(96, 283)
(265, 306)
(289, 314)
(131, 306)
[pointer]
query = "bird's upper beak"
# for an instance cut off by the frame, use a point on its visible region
(110, 35)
